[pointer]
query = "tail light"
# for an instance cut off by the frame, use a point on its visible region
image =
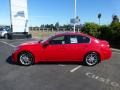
(105, 43)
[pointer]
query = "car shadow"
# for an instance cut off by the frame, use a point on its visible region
(9, 60)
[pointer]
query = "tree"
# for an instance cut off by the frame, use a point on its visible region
(51, 26)
(99, 17)
(57, 25)
(115, 27)
(115, 19)
(105, 32)
(91, 29)
(42, 26)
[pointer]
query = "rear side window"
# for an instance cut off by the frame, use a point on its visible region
(83, 39)
(73, 39)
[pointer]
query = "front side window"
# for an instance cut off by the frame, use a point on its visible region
(58, 40)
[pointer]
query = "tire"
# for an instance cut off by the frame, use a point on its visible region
(91, 59)
(6, 36)
(26, 59)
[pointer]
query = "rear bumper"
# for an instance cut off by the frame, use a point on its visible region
(106, 54)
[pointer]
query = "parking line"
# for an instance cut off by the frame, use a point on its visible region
(18, 42)
(76, 68)
(8, 44)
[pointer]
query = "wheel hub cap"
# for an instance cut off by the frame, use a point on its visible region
(25, 60)
(91, 59)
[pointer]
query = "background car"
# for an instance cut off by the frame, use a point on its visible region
(65, 47)
(4, 32)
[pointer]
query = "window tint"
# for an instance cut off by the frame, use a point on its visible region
(70, 39)
(73, 39)
(83, 39)
(1, 29)
(58, 40)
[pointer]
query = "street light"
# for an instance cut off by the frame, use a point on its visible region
(75, 14)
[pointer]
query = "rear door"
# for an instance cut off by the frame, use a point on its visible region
(76, 47)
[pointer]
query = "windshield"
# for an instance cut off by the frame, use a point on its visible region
(7, 28)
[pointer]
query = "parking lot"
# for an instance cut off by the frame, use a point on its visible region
(56, 76)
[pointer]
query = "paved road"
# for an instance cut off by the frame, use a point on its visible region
(104, 76)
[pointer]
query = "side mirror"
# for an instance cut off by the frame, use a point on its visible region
(45, 44)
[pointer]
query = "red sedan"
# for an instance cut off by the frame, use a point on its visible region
(65, 47)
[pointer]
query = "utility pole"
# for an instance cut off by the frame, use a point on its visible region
(75, 14)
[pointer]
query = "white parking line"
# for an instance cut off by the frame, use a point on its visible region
(18, 42)
(8, 44)
(76, 68)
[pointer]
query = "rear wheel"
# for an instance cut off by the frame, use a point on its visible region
(26, 59)
(92, 59)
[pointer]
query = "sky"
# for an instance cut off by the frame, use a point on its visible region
(52, 11)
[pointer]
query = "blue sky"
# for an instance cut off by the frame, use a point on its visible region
(52, 11)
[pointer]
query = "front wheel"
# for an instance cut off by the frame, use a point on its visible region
(26, 59)
(91, 59)
(6, 36)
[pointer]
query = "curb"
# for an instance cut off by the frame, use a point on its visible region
(115, 50)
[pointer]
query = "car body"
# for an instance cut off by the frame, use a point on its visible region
(63, 47)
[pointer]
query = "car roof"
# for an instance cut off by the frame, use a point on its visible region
(72, 33)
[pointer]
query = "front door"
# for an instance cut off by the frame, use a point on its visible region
(55, 50)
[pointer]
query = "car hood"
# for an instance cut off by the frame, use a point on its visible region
(30, 43)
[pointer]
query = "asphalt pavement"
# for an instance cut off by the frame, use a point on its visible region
(59, 76)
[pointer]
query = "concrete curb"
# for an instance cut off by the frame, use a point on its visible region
(115, 50)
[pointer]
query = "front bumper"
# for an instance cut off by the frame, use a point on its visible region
(15, 57)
